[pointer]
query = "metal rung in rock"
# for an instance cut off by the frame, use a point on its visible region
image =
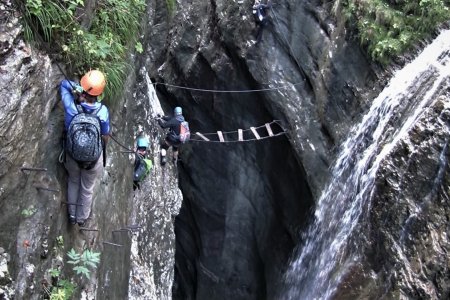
(269, 130)
(46, 188)
(255, 133)
(33, 169)
(221, 139)
(113, 244)
(240, 135)
(87, 229)
(65, 202)
(202, 136)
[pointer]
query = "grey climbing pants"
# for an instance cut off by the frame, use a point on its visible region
(80, 187)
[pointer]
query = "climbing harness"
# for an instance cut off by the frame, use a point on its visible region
(240, 135)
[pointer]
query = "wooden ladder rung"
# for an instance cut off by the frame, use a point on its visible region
(202, 136)
(255, 133)
(269, 130)
(220, 134)
(240, 135)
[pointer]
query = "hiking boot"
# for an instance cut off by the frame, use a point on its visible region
(163, 160)
(72, 220)
(163, 157)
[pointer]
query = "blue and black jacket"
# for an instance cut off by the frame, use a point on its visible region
(70, 108)
(173, 123)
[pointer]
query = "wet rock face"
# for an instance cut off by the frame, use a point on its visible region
(244, 203)
(409, 243)
(6, 283)
(404, 234)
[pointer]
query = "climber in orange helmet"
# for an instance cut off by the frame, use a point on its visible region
(87, 130)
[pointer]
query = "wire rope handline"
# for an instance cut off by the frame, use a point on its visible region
(120, 144)
(128, 150)
(227, 91)
(248, 90)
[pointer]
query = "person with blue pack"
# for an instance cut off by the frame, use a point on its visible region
(178, 133)
(87, 128)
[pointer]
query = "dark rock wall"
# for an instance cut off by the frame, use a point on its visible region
(244, 203)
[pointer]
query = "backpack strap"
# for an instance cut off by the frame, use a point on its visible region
(104, 154)
(79, 108)
(95, 112)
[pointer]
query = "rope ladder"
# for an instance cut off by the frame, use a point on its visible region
(268, 130)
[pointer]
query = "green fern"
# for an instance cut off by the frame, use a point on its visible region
(82, 262)
(63, 291)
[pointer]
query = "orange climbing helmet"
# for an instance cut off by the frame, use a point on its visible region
(93, 82)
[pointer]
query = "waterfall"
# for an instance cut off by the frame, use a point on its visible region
(330, 244)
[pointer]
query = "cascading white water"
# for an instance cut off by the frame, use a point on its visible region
(327, 254)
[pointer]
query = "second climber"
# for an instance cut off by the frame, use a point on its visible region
(178, 133)
(142, 164)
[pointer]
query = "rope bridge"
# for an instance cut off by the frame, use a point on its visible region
(268, 130)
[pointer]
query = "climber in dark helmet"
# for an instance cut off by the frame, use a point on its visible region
(260, 14)
(178, 133)
(86, 133)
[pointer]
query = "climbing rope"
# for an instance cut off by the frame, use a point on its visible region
(230, 136)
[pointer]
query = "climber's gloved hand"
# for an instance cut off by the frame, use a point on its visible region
(77, 89)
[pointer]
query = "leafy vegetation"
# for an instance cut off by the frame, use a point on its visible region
(103, 46)
(63, 291)
(390, 27)
(54, 272)
(171, 5)
(60, 289)
(60, 241)
(55, 286)
(82, 262)
(29, 211)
